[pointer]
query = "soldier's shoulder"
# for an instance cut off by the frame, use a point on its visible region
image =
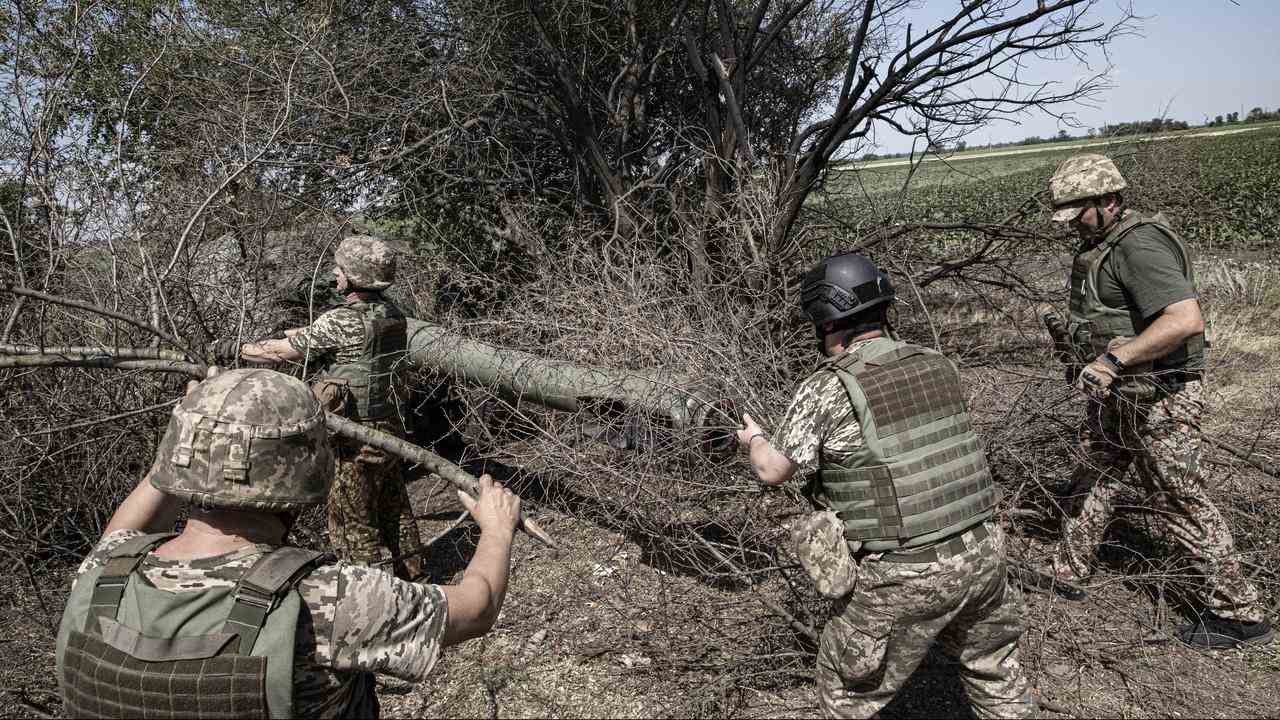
(344, 595)
(98, 556)
(817, 392)
(340, 314)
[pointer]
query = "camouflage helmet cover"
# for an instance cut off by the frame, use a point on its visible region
(1079, 178)
(246, 439)
(368, 262)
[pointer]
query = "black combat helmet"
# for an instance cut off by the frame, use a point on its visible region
(842, 286)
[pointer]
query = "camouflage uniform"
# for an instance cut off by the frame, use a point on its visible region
(357, 621)
(370, 517)
(896, 610)
(1163, 440)
(1124, 277)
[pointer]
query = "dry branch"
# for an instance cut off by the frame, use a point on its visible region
(458, 477)
(102, 361)
(81, 305)
(351, 430)
(124, 353)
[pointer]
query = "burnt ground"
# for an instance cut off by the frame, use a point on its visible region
(608, 626)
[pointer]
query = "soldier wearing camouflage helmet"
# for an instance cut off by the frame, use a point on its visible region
(224, 619)
(1136, 330)
(358, 352)
(906, 539)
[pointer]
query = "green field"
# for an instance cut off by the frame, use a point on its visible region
(1223, 191)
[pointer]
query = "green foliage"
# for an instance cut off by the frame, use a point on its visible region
(1223, 192)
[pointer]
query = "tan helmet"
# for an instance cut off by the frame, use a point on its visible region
(246, 439)
(368, 262)
(1079, 178)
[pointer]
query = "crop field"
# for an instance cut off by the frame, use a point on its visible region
(1223, 191)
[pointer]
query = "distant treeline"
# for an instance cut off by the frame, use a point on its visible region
(1139, 127)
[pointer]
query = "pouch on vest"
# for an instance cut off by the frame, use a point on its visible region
(334, 395)
(129, 649)
(824, 553)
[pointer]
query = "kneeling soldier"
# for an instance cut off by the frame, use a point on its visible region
(909, 544)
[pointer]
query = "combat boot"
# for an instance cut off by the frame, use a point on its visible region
(1215, 633)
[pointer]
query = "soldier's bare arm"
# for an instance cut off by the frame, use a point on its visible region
(475, 602)
(1172, 326)
(275, 350)
(771, 466)
(146, 509)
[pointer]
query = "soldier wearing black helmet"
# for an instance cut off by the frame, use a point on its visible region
(224, 619)
(906, 538)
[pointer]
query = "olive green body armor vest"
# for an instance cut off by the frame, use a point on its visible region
(1092, 325)
(128, 649)
(373, 380)
(921, 475)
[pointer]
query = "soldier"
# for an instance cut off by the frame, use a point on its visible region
(908, 544)
(360, 348)
(223, 620)
(1135, 324)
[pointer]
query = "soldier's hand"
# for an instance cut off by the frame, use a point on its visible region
(1096, 378)
(749, 431)
(226, 349)
(496, 510)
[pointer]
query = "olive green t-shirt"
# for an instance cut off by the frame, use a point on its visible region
(1144, 275)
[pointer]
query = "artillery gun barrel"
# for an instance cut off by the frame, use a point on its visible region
(701, 408)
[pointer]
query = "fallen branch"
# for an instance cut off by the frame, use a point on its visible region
(90, 307)
(460, 478)
(129, 353)
(1246, 457)
(102, 361)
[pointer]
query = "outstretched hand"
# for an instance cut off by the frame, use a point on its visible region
(495, 510)
(750, 430)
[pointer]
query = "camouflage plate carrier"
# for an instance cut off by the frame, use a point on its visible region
(373, 381)
(921, 475)
(127, 649)
(1092, 325)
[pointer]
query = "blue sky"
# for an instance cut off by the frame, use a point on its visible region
(1196, 58)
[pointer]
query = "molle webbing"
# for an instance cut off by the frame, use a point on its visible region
(104, 682)
(921, 470)
(112, 670)
(372, 379)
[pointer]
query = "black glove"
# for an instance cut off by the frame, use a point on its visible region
(224, 350)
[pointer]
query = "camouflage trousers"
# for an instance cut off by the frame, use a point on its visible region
(1162, 440)
(897, 610)
(370, 518)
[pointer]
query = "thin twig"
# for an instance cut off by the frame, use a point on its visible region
(99, 421)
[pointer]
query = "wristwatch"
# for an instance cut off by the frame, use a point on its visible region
(1111, 358)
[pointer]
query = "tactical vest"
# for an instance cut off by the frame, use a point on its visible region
(1092, 324)
(921, 475)
(128, 649)
(373, 380)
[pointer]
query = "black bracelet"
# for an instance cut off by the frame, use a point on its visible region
(1111, 358)
(762, 434)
